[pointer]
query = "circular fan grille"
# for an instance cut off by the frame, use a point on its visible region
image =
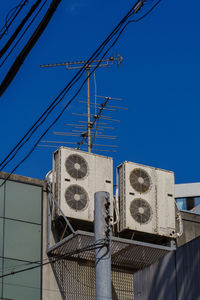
(141, 210)
(140, 180)
(76, 197)
(76, 166)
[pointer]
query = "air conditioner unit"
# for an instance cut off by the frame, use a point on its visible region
(78, 176)
(146, 199)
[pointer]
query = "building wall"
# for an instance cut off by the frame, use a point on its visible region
(50, 287)
(174, 277)
(21, 237)
(191, 227)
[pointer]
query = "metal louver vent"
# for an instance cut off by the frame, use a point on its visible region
(76, 197)
(140, 210)
(140, 180)
(76, 166)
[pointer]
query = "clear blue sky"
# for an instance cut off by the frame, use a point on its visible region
(158, 81)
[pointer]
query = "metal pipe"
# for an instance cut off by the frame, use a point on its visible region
(88, 98)
(116, 202)
(103, 254)
(48, 221)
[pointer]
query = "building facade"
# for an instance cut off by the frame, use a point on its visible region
(23, 232)
(21, 225)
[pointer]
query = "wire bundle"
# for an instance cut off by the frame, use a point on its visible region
(100, 53)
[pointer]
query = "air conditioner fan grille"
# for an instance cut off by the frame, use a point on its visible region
(76, 166)
(140, 180)
(140, 210)
(76, 197)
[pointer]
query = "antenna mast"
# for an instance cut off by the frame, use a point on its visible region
(87, 66)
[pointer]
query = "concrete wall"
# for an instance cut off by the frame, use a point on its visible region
(50, 288)
(191, 227)
(174, 277)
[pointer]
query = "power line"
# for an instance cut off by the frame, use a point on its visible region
(28, 47)
(39, 262)
(70, 100)
(7, 24)
(19, 28)
(66, 89)
(25, 30)
(52, 261)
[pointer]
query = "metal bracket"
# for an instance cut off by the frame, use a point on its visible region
(50, 211)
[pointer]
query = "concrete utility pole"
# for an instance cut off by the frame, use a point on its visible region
(102, 255)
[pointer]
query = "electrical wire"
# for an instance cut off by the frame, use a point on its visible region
(28, 47)
(5, 28)
(67, 104)
(52, 261)
(69, 85)
(63, 110)
(39, 262)
(19, 28)
(17, 42)
(66, 89)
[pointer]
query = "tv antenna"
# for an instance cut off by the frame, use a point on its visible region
(88, 66)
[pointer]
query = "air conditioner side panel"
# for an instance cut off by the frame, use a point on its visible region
(103, 170)
(166, 204)
(122, 197)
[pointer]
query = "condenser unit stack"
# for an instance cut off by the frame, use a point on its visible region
(146, 200)
(78, 175)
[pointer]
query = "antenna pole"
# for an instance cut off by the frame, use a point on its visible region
(106, 62)
(88, 100)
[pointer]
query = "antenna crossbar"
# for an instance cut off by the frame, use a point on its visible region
(87, 65)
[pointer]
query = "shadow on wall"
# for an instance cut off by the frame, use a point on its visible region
(76, 280)
(174, 277)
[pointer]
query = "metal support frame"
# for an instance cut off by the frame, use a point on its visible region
(51, 200)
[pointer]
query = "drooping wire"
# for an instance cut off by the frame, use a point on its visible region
(11, 16)
(13, 70)
(64, 108)
(39, 262)
(64, 91)
(25, 30)
(59, 257)
(18, 29)
(60, 114)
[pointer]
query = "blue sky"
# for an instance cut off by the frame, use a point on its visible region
(158, 81)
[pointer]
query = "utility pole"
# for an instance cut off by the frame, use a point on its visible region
(102, 255)
(88, 105)
(87, 66)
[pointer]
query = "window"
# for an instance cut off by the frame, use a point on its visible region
(187, 203)
(20, 236)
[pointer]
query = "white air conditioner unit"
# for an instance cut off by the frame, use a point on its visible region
(78, 176)
(146, 199)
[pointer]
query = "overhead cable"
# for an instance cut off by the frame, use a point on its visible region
(19, 28)
(59, 257)
(25, 30)
(62, 94)
(31, 42)
(11, 16)
(57, 100)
